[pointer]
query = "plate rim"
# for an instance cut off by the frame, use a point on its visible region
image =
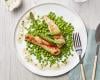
(14, 41)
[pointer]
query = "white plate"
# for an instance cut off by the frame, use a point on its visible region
(71, 17)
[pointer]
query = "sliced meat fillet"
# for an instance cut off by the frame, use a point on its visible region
(53, 49)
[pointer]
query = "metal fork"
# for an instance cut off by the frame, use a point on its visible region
(78, 49)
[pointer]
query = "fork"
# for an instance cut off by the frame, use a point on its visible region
(78, 49)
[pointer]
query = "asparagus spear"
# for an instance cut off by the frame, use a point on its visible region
(49, 39)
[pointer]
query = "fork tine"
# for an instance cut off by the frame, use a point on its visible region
(79, 41)
(74, 40)
(77, 38)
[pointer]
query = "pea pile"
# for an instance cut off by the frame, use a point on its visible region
(39, 27)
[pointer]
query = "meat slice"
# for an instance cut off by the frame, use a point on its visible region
(53, 49)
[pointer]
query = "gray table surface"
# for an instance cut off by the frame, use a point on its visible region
(10, 67)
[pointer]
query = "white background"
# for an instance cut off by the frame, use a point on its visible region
(10, 67)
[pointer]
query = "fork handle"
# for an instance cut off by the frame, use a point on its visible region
(94, 68)
(82, 72)
(82, 68)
